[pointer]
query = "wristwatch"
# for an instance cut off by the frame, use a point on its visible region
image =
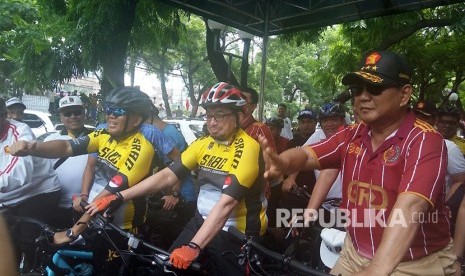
(70, 234)
(175, 193)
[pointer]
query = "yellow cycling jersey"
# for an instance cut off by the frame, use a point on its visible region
(460, 142)
(121, 163)
(236, 170)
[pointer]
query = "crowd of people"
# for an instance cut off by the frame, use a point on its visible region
(395, 166)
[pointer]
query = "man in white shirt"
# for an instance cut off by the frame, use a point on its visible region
(70, 169)
(426, 111)
(331, 119)
(28, 185)
(287, 129)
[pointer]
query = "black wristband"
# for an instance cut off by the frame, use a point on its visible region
(119, 195)
(194, 246)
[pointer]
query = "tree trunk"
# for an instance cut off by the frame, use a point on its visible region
(217, 60)
(113, 63)
(162, 75)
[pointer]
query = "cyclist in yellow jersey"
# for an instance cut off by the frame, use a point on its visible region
(230, 174)
(125, 156)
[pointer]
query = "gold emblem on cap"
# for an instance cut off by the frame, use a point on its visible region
(370, 77)
(372, 59)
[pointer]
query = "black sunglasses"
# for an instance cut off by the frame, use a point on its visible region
(375, 90)
(77, 112)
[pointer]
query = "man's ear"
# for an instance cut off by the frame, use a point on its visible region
(240, 114)
(406, 93)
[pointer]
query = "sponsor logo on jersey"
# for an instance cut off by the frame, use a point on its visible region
(365, 194)
(238, 150)
(212, 161)
(110, 155)
(134, 154)
(391, 155)
(354, 149)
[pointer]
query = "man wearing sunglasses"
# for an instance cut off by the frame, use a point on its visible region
(393, 172)
(69, 169)
(230, 176)
(125, 157)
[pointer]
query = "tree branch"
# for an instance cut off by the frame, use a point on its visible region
(408, 31)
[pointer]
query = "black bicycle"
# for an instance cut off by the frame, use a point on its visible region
(305, 247)
(262, 261)
(75, 258)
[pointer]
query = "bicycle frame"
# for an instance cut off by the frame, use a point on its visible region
(84, 269)
(286, 262)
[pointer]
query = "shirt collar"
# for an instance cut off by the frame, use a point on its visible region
(397, 135)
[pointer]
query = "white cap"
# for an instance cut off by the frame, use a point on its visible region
(70, 101)
(331, 244)
(13, 101)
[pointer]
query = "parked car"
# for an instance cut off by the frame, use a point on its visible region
(39, 122)
(190, 129)
(60, 127)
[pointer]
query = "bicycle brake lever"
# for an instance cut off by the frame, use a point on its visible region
(293, 221)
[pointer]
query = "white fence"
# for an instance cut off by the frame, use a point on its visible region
(38, 103)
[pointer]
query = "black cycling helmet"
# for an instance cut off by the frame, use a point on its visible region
(449, 105)
(131, 99)
(276, 122)
(225, 94)
(449, 108)
(332, 110)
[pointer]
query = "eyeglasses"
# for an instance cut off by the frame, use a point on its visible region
(218, 116)
(116, 111)
(375, 90)
(77, 112)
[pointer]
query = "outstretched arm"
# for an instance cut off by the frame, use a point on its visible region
(290, 161)
(182, 257)
(50, 149)
(161, 180)
(215, 220)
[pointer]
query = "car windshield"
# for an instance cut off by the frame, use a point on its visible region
(32, 120)
(196, 129)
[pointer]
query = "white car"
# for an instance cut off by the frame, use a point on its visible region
(60, 127)
(190, 129)
(39, 122)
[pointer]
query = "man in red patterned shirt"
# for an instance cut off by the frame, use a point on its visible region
(251, 126)
(393, 168)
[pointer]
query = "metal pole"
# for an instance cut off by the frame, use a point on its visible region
(261, 98)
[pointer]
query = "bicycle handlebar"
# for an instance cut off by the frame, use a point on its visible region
(285, 261)
(161, 256)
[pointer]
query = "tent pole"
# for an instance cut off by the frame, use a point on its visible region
(264, 56)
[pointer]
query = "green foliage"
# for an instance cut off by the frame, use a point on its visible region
(35, 48)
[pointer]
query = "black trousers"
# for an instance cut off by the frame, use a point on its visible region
(41, 207)
(220, 255)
